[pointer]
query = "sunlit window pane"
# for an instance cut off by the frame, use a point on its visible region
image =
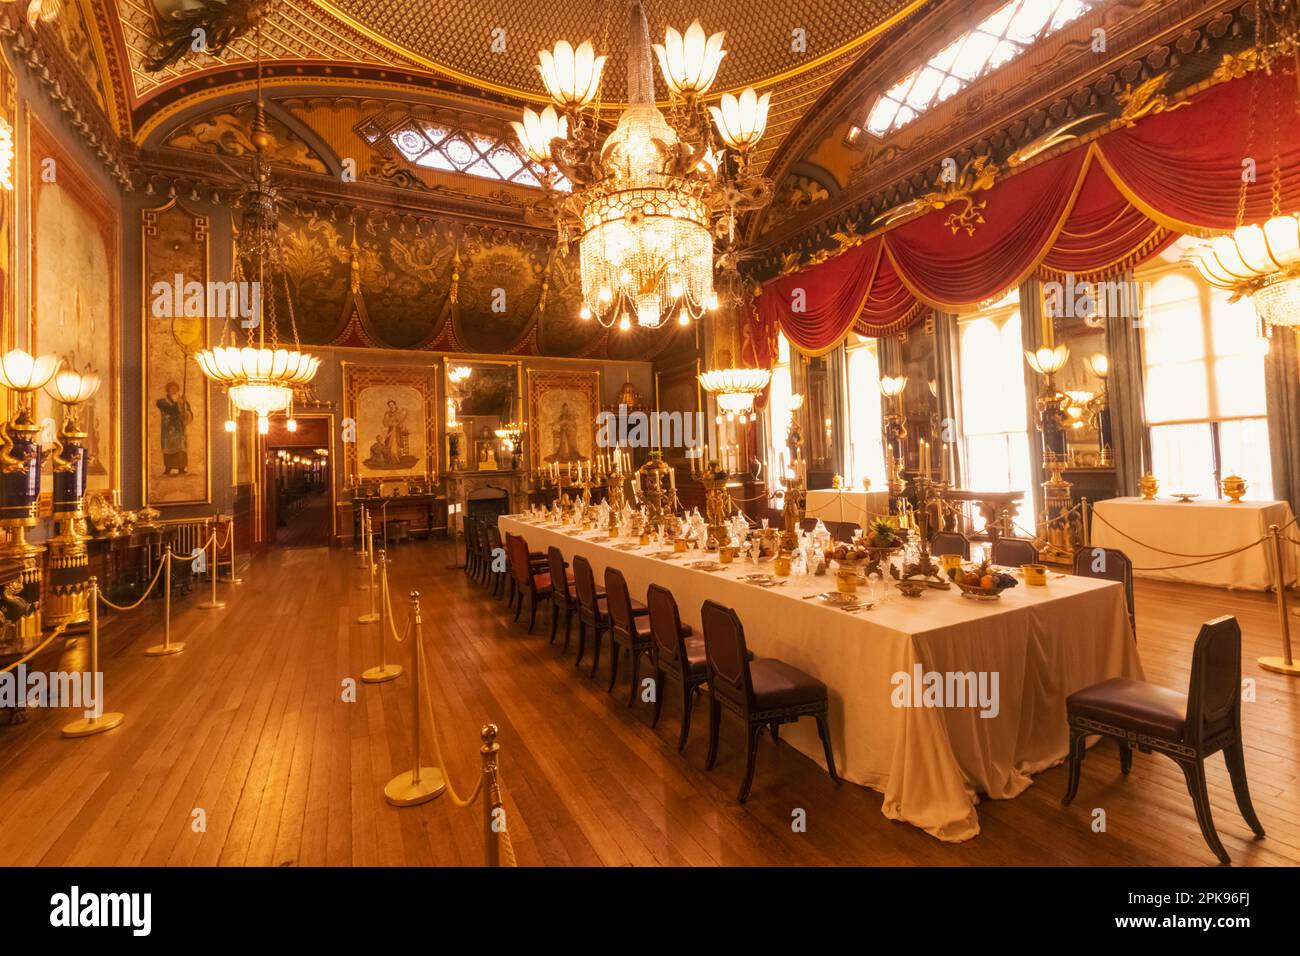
(1182, 458)
(866, 442)
(994, 421)
(1243, 450)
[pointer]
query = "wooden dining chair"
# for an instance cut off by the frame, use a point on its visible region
(593, 611)
(563, 599)
(1187, 728)
(471, 547)
(1013, 552)
(530, 576)
(950, 542)
(761, 692)
(629, 629)
(675, 653)
(490, 545)
(1108, 564)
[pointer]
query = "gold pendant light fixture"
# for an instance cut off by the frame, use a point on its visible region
(1263, 261)
(645, 203)
(260, 373)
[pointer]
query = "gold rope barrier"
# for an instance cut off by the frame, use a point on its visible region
(498, 850)
(36, 650)
(385, 671)
(99, 721)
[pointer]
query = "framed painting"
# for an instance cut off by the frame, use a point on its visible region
(74, 294)
(391, 413)
(562, 409)
(174, 248)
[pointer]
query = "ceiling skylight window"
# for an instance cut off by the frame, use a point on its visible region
(462, 151)
(1002, 36)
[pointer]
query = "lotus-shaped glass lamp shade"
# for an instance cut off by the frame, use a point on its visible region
(572, 77)
(690, 62)
(1048, 360)
(1099, 365)
(892, 386)
(72, 387)
(536, 132)
(741, 120)
(23, 373)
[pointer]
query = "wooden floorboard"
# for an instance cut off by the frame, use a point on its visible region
(250, 726)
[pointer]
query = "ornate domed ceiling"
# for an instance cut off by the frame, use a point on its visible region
(767, 40)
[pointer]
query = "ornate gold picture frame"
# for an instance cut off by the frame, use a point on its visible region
(390, 423)
(562, 410)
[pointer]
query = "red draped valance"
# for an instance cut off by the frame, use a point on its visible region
(1091, 212)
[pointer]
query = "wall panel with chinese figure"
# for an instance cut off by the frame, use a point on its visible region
(174, 246)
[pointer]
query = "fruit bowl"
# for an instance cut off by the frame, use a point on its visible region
(982, 582)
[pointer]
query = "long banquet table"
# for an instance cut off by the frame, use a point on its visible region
(930, 762)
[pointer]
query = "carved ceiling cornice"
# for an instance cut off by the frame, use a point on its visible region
(67, 88)
(1183, 40)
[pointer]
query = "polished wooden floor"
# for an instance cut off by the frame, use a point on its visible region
(249, 726)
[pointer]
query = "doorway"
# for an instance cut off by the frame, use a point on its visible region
(299, 498)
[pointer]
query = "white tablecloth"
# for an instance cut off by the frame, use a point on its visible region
(929, 762)
(1145, 529)
(847, 505)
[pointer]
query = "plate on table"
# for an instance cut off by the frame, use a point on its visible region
(704, 565)
(1186, 496)
(765, 579)
(666, 554)
(838, 598)
(626, 547)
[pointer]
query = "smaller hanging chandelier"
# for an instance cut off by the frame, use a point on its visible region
(735, 389)
(260, 374)
(1263, 262)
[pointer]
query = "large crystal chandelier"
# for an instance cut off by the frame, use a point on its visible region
(261, 372)
(647, 202)
(1263, 261)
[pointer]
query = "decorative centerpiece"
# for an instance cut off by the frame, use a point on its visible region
(852, 559)
(1148, 485)
(982, 582)
(882, 539)
(1234, 488)
(717, 504)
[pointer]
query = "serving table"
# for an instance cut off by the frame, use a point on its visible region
(1147, 530)
(1030, 649)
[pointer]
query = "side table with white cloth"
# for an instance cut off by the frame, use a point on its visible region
(1169, 539)
(845, 504)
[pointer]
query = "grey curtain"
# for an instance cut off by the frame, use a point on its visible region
(1282, 393)
(945, 360)
(1031, 338)
(1124, 391)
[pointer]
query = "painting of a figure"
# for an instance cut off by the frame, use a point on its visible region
(390, 414)
(563, 409)
(176, 437)
(74, 276)
(177, 416)
(391, 449)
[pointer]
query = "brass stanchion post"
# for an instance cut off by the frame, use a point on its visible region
(1085, 520)
(101, 722)
(363, 553)
(385, 671)
(214, 603)
(233, 578)
(371, 616)
(419, 784)
(166, 647)
(368, 555)
(491, 794)
(1286, 664)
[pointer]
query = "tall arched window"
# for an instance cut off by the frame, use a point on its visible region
(1205, 402)
(994, 426)
(866, 458)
